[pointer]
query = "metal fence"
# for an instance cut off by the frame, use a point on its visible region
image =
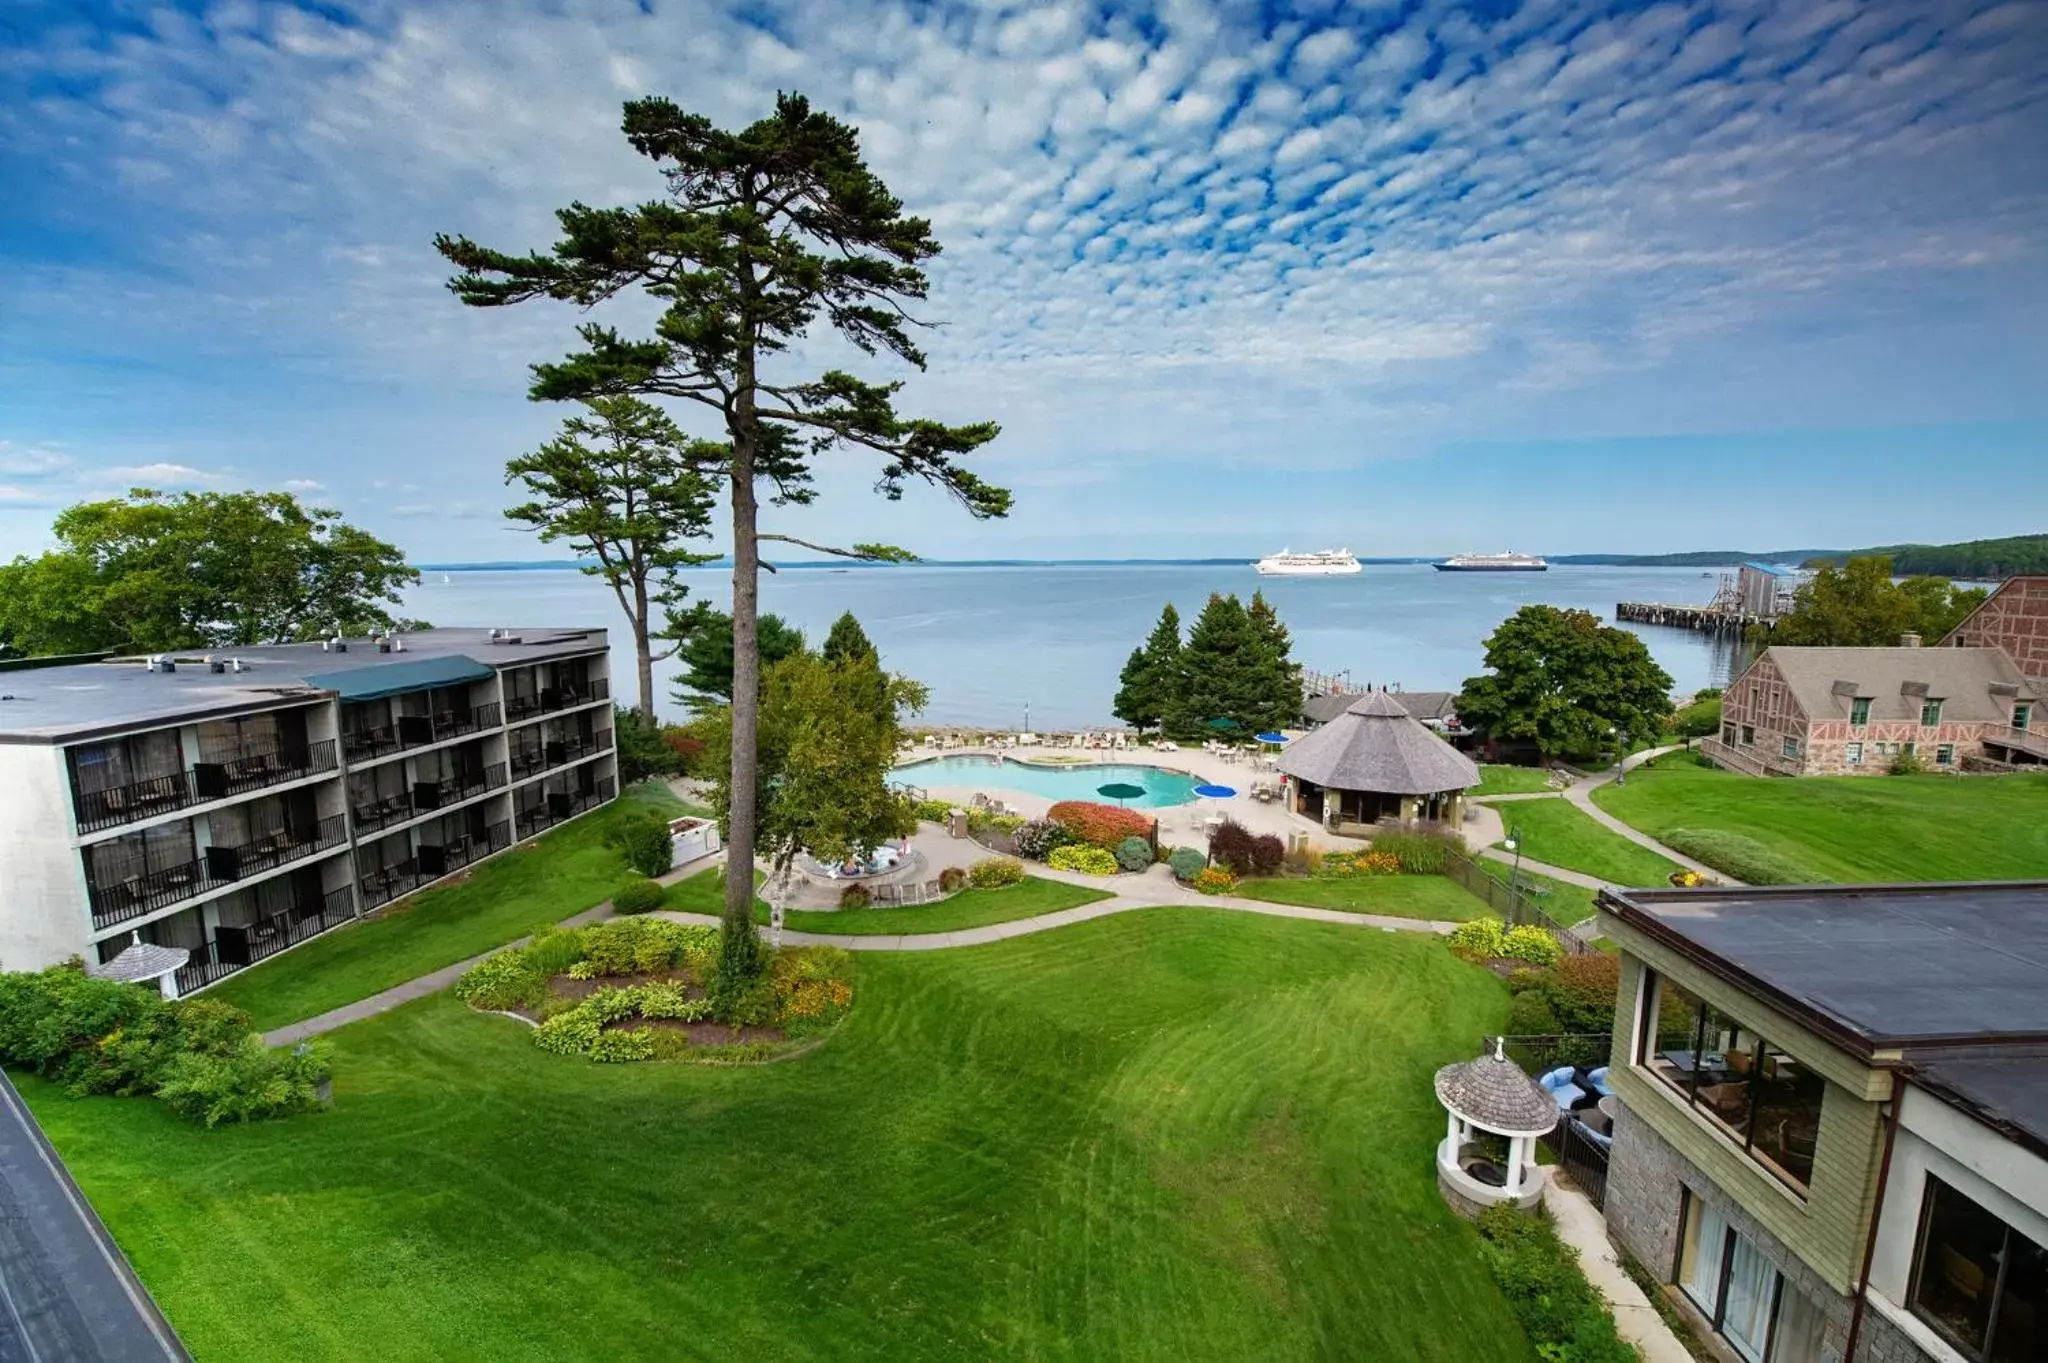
(1512, 903)
(1576, 1143)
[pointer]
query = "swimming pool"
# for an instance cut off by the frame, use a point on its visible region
(1162, 788)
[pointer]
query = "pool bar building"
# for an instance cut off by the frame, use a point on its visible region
(231, 805)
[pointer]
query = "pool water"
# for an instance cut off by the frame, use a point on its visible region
(1162, 788)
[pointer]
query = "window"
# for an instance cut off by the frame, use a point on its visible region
(1791, 746)
(1728, 734)
(1945, 755)
(1748, 735)
(1979, 1282)
(1753, 1093)
(2020, 715)
(1763, 1317)
(1853, 754)
(1859, 711)
(1930, 712)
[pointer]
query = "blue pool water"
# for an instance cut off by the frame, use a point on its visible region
(1162, 788)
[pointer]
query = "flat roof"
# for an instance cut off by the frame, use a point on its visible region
(1872, 967)
(78, 701)
(2005, 1087)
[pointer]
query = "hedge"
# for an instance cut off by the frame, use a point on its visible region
(1739, 856)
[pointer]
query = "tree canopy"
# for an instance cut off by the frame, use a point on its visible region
(1562, 680)
(847, 640)
(703, 634)
(621, 484)
(1150, 686)
(1235, 676)
(763, 233)
(1857, 605)
(199, 569)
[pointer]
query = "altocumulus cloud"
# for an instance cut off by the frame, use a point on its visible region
(1182, 231)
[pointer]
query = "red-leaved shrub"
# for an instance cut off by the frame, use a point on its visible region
(1103, 825)
(1233, 845)
(1267, 853)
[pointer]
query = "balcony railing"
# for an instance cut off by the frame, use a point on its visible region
(271, 850)
(236, 948)
(204, 781)
(438, 859)
(387, 883)
(553, 698)
(382, 811)
(418, 731)
(453, 790)
(117, 901)
(561, 805)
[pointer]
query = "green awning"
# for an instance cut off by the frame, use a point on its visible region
(373, 680)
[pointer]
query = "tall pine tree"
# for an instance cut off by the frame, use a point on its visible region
(1278, 676)
(847, 640)
(1219, 668)
(1150, 687)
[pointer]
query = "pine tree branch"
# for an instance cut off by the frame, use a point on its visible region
(866, 553)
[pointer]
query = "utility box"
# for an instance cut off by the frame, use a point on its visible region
(956, 823)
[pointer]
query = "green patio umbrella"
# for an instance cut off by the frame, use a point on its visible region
(1222, 725)
(1120, 791)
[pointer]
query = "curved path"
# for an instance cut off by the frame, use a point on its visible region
(1580, 793)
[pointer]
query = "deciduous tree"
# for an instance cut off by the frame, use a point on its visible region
(623, 485)
(763, 232)
(196, 570)
(1562, 680)
(1857, 605)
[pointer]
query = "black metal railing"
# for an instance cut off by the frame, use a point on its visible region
(115, 805)
(562, 805)
(117, 901)
(1580, 1143)
(1580, 1140)
(526, 761)
(374, 740)
(1512, 902)
(202, 782)
(419, 731)
(387, 883)
(236, 948)
(275, 849)
(552, 698)
(438, 859)
(383, 811)
(521, 707)
(453, 790)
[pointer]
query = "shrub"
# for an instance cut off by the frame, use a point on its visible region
(933, 811)
(1267, 853)
(1134, 854)
(1187, 863)
(1577, 992)
(637, 896)
(1420, 854)
(1700, 719)
(1906, 763)
(1103, 825)
(1545, 1287)
(1037, 838)
(616, 1047)
(1304, 861)
(992, 873)
(636, 946)
(554, 949)
(1528, 942)
(646, 846)
(1078, 856)
(1481, 938)
(570, 1033)
(1737, 855)
(503, 982)
(666, 1000)
(1231, 846)
(1531, 1015)
(1214, 880)
(988, 821)
(248, 1083)
(855, 897)
(951, 879)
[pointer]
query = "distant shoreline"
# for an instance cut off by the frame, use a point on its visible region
(814, 565)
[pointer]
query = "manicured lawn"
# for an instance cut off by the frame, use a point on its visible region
(1497, 779)
(565, 871)
(1568, 904)
(1432, 897)
(1854, 828)
(1554, 831)
(1155, 1135)
(705, 893)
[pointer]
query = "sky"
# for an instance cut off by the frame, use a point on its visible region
(1409, 277)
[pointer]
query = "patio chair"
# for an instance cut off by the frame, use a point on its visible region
(931, 890)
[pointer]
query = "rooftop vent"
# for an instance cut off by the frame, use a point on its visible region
(216, 665)
(340, 644)
(397, 645)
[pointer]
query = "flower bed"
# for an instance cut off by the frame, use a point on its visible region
(1103, 825)
(637, 989)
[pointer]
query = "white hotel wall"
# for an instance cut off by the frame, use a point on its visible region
(44, 915)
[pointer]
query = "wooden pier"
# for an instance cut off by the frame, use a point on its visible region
(1712, 618)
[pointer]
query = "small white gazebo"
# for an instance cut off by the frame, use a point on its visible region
(1491, 1094)
(141, 962)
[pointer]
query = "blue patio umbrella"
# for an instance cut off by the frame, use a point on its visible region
(1270, 737)
(1215, 792)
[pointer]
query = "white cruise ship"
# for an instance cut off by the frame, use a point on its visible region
(1493, 563)
(1320, 563)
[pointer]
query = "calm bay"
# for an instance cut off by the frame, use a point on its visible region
(995, 642)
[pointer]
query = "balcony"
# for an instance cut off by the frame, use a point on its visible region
(417, 731)
(145, 892)
(563, 805)
(387, 883)
(438, 859)
(232, 949)
(453, 790)
(553, 698)
(272, 850)
(117, 805)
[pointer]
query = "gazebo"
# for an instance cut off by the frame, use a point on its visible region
(1376, 761)
(1491, 1095)
(141, 962)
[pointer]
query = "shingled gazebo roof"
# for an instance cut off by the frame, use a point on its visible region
(140, 962)
(1377, 745)
(1492, 1093)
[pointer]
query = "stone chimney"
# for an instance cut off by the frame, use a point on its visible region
(1909, 641)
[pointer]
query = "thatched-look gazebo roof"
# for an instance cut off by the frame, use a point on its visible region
(1493, 1094)
(140, 962)
(1377, 745)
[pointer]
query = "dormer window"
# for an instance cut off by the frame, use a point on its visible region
(1930, 712)
(1859, 711)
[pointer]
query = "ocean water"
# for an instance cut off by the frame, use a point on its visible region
(1080, 782)
(1040, 646)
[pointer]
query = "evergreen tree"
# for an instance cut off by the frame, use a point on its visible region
(1220, 674)
(704, 637)
(1150, 686)
(847, 640)
(1278, 676)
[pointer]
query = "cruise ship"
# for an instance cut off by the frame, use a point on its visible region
(1319, 563)
(1493, 563)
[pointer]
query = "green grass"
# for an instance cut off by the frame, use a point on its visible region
(1155, 1135)
(1432, 897)
(567, 870)
(705, 893)
(1560, 834)
(1497, 779)
(1853, 828)
(1569, 904)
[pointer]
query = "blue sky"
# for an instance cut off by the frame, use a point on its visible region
(1411, 277)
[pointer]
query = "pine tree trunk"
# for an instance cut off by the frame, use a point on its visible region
(746, 694)
(643, 652)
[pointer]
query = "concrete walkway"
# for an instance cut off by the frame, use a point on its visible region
(1580, 793)
(1580, 1225)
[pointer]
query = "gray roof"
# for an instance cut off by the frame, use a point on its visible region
(140, 961)
(1492, 1092)
(1825, 680)
(1421, 704)
(1377, 745)
(86, 700)
(2005, 1087)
